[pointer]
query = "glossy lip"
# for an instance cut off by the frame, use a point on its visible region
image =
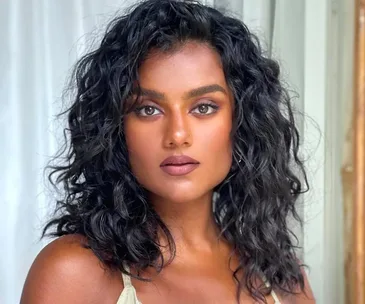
(179, 165)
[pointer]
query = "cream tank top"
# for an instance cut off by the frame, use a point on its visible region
(129, 294)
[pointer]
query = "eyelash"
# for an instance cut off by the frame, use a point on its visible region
(215, 107)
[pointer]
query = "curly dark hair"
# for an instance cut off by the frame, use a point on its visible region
(103, 200)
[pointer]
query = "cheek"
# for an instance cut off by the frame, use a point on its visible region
(217, 145)
(137, 139)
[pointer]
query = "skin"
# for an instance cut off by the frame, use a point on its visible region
(181, 124)
(171, 122)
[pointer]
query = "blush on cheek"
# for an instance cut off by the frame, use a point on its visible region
(219, 147)
(217, 140)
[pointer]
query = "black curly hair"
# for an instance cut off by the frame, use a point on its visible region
(103, 200)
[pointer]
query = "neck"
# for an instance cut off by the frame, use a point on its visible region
(191, 224)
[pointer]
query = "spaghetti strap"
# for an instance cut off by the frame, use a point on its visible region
(126, 278)
(129, 294)
(275, 297)
(272, 293)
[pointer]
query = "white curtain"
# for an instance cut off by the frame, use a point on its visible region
(41, 41)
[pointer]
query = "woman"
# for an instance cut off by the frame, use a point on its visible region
(182, 170)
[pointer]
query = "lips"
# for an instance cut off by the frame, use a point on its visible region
(179, 165)
(178, 160)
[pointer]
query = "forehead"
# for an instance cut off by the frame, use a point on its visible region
(191, 65)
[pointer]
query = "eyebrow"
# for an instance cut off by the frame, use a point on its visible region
(191, 94)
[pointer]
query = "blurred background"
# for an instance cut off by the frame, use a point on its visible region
(317, 43)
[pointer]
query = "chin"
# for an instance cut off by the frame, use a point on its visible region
(181, 197)
(181, 192)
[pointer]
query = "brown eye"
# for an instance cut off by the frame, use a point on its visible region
(205, 109)
(147, 111)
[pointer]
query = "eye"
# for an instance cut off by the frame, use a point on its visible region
(147, 111)
(205, 109)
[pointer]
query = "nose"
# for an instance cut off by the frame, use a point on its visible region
(177, 130)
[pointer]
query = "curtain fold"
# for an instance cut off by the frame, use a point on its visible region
(41, 41)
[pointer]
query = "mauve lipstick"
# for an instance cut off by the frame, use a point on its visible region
(179, 165)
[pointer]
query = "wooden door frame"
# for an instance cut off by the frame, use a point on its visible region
(358, 261)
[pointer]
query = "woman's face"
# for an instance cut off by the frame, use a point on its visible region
(186, 110)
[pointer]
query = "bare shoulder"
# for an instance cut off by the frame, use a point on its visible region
(65, 271)
(301, 297)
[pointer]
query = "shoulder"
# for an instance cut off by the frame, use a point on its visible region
(301, 297)
(65, 271)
